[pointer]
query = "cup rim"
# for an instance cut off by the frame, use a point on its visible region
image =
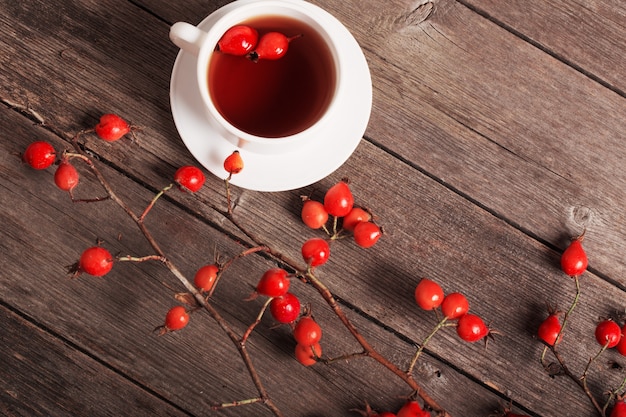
(298, 9)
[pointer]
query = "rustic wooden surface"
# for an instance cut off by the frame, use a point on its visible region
(497, 133)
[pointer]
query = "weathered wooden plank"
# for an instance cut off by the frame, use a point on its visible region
(100, 63)
(42, 375)
(193, 11)
(523, 187)
(527, 137)
(383, 298)
(507, 276)
(112, 317)
(456, 113)
(589, 35)
(484, 116)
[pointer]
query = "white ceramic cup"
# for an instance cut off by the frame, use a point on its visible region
(202, 43)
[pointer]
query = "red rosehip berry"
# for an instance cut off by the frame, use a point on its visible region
(238, 40)
(307, 332)
(354, 217)
(339, 200)
(621, 346)
(176, 318)
(271, 46)
(307, 354)
(39, 155)
(111, 127)
(274, 283)
(454, 305)
(428, 294)
(205, 277)
(619, 408)
(549, 330)
(608, 333)
(471, 328)
(315, 251)
(366, 234)
(233, 164)
(412, 409)
(286, 308)
(96, 261)
(66, 177)
(574, 259)
(313, 214)
(189, 178)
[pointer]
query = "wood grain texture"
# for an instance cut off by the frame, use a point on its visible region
(482, 118)
(57, 379)
(113, 319)
(582, 33)
(494, 138)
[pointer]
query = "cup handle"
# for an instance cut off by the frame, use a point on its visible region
(187, 37)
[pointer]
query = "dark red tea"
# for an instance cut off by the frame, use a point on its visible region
(275, 98)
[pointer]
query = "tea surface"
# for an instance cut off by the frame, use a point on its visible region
(275, 98)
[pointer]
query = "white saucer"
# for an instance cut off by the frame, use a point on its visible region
(297, 169)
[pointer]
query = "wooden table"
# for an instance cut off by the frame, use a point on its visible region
(497, 133)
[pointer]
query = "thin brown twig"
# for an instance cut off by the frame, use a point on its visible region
(203, 301)
(229, 203)
(243, 352)
(154, 200)
(585, 387)
(146, 258)
(344, 357)
(614, 394)
(581, 381)
(227, 264)
(370, 351)
(442, 323)
(250, 328)
(237, 403)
